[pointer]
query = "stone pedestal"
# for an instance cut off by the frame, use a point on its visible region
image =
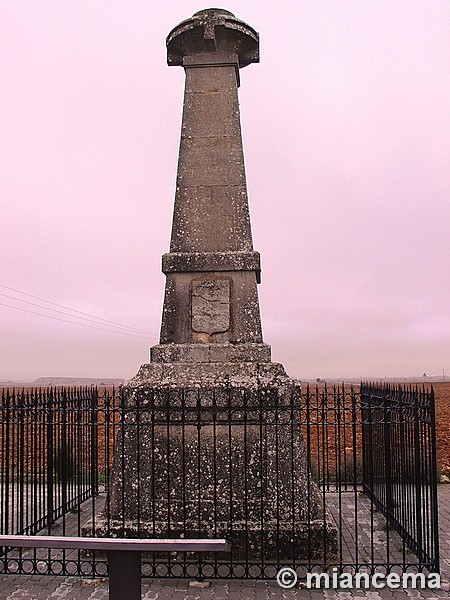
(211, 449)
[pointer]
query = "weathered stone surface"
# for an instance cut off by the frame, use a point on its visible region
(210, 303)
(212, 378)
(214, 102)
(209, 161)
(236, 469)
(220, 353)
(212, 29)
(276, 540)
(245, 322)
(211, 219)
(180, 262)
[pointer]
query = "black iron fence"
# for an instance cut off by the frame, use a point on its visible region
(399, 458)
(48, 455)
(281, 478)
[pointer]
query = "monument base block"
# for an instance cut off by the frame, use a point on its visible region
(208, 449)
(315, 540)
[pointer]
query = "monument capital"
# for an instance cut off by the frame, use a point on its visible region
(211, 36)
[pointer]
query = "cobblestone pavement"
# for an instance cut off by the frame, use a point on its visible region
(72, 588)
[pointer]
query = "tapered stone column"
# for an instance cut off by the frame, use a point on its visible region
(212, 269)
(210, 457)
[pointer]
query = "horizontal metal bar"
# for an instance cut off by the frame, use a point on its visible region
(108, 544)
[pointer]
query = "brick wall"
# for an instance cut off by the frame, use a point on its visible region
(442, 395)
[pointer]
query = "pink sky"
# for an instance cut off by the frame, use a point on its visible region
(346, 127)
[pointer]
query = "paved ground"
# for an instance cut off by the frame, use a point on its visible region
(71, 588)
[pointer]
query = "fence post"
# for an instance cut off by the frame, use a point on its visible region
(94, 441)
(418, 476)
(64, 453)
(387, 452)
(6, 463)
(21, 457)
(50, 453)
(434, 481)
(367, 440)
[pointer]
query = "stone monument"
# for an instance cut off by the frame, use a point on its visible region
(205, 478)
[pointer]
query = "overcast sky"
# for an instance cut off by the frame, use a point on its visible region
(346, 129)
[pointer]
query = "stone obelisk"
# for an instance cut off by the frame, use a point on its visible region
(227, 472)
(211, 325)
(211, 301)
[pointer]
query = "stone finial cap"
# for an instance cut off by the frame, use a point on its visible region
(212, 30)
